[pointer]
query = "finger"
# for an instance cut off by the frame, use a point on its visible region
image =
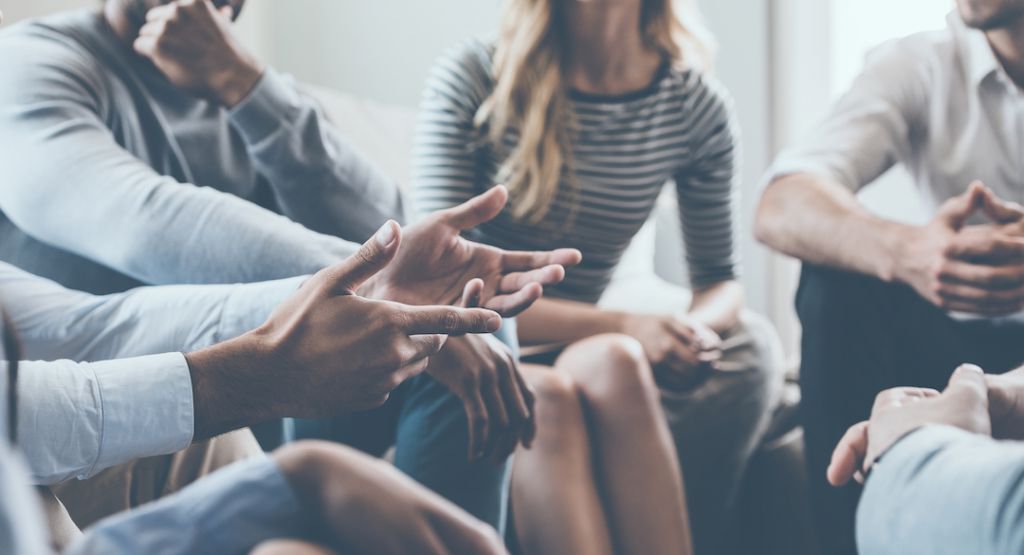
(954, 305)
(426, 346)
(227, 13)
(516, 403)
(530, 429)
(972, 294)
(448, 320)
(969, 379)
(499, 422)
(999, 210)
(479, 424)
(145, 46)
(472, 293)
(683, 332)
(520, 261)
(513, 304)
(477, 210)
(548, 275)
(958, 209)
(848, 456)
(988, 277)
(986, 244)
(372, 257)
(161, 12)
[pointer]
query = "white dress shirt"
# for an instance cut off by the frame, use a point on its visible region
(939, 103)
(93, 409)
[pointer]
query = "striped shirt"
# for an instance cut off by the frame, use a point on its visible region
(625, 149)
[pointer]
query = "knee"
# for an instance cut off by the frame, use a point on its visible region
(555, 392)
(610, 368)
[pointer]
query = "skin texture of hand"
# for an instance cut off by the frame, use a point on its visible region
(899, 411)
(680, 349)
(326, 350)
(191, 43)
(482, 372)
(975, 269)
(437, 262)
(363, 505)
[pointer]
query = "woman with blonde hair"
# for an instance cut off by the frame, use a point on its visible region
(585, 109)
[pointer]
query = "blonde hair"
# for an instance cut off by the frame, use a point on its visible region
(529, 92)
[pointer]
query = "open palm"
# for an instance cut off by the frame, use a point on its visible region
(435, 263)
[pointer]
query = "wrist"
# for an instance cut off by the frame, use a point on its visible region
(233, 84)
(221, 375)
(900, 244)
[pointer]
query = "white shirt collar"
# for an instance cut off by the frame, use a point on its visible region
(976, 52)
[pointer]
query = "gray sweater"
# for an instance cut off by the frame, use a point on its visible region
(942, 490)
(113, 177)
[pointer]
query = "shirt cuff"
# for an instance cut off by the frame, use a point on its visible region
(790, 164)
(146, 405)
(271, 104)
(250, 304)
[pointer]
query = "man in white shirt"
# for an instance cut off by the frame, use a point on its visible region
(323, 349)
(883, 303)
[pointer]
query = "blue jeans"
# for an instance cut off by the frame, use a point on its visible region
(427, 425)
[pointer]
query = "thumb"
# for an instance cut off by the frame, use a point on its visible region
(371, 258)
(477, 210)
(955, 211)
(969, 380)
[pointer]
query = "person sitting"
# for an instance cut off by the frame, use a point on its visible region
(142, 144)
(943, 469)
(585, 110)
(884, 303)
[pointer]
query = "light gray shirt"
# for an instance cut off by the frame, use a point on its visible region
(937, 102)
(113, 177)
(941, 490)
(90, 399)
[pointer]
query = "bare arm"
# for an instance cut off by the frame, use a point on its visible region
(821, 222)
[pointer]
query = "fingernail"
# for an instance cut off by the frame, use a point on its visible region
(386, 234)
(971, 368)
(494, 322)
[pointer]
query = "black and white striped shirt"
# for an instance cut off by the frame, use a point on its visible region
(625, 148)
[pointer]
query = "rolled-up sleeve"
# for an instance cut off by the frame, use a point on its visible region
(869, 128)
(231, 511)
(76, 419)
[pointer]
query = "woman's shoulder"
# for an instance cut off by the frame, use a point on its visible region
(469, 62)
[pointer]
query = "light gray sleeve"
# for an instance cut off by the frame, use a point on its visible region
(943, 490)
(230, 511)
(54, 322)
(870, 127)
(68, 183)
(318, 177)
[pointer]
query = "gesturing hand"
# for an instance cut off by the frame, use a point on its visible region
(437, 262)
(1006, 404)
(899, 411)
(191, 43)
(678, 348)
(976, 269)
(325, 350)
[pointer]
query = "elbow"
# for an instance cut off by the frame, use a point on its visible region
(767, 219)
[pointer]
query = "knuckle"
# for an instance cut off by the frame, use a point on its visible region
(449, 321)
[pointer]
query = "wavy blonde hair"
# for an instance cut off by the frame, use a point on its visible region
(529, 93)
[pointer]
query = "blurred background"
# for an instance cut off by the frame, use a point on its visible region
(783, 60)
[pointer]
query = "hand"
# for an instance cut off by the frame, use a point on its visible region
(364, 505)
(975, 269)
(437, 263)
(1006, 404)
(678, 348)
(191, 43)
(325, 350)
(899, 411)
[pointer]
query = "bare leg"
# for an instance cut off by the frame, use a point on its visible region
(555, 502)
(290, 547)
(638, 472)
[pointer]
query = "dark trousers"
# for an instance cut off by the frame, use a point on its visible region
(861, 336)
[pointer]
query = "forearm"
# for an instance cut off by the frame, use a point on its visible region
(820, 222)
(561, 321)
(718, 306)
(943, 490)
